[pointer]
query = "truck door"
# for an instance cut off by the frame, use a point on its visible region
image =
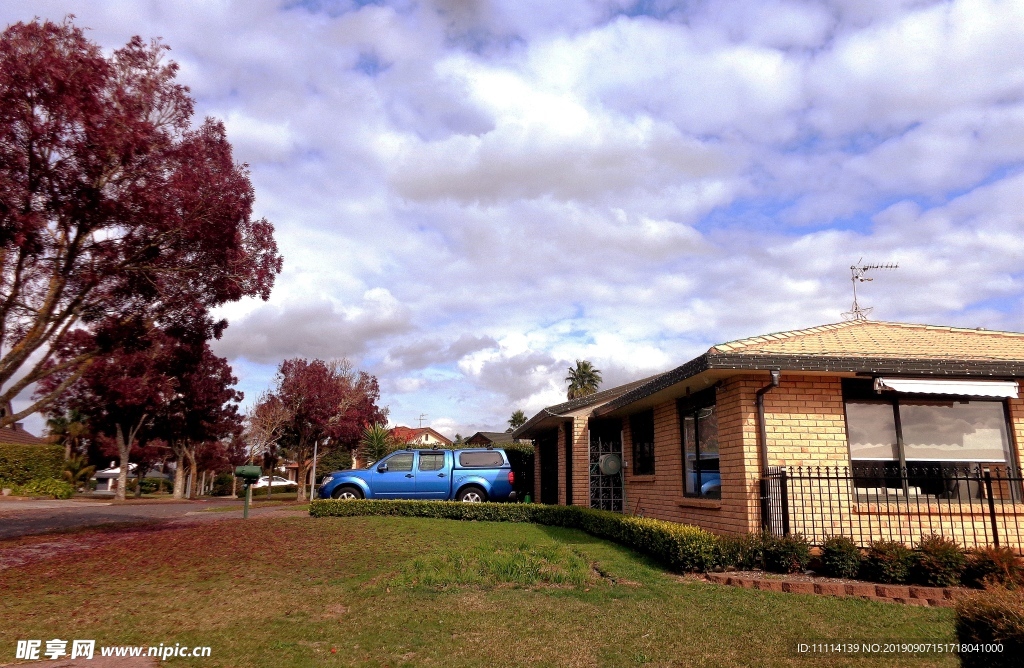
(433, 476)
(398, 482)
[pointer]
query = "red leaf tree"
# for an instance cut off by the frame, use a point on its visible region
(117, 215)
(328, 405)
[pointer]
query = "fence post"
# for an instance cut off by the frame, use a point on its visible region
(784, 500)
(765, 517)
(991, 507)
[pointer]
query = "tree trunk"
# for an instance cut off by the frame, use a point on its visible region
(193, 471)
(202, 484)
(301, 470)
(179, 469)
(67, 449)
(123, 449)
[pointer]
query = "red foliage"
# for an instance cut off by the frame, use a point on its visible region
(115, 214)
(328, 405)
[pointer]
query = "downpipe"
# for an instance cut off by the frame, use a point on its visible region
(762, 444)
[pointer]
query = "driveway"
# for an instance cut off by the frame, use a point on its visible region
(23, 518)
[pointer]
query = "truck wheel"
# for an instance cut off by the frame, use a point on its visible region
(347, 493)
(471, 495)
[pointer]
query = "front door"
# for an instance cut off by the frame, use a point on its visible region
(547, 448)
(605, 490)
(398, 481)
(432, 481)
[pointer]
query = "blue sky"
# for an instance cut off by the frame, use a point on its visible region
(471, 195)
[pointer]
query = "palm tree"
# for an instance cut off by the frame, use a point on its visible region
(68, 429)
(77, 470)
(583, 380)
(376, 443)
(517, 420)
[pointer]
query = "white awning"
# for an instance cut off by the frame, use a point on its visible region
(966, 388)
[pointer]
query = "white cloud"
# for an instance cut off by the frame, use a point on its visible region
(469, 196)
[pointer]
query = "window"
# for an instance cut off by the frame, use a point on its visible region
(483, 460)
(937, 441)
(431, 461)
(641, 431)
(699, 426)
(400, 462)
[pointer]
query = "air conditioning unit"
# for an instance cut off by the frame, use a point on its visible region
(610, 464)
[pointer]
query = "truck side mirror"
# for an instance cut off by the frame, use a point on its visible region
(382, 468)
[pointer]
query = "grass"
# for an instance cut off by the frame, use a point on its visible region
(384, 591)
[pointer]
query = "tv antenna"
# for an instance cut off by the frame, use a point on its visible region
(857, 275)
(423, 416)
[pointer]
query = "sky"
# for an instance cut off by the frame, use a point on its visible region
(471, 195)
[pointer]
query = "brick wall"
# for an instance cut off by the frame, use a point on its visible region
(580, 462)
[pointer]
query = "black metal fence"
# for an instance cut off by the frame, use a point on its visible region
(975, 505)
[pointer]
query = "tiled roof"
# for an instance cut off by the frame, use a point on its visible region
(410, 434)
(868, 338)
(20, 436)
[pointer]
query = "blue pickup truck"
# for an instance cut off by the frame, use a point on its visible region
(462, 475)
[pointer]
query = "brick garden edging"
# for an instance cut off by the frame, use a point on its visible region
(939, 597)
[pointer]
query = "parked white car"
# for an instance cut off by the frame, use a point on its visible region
(276, 481)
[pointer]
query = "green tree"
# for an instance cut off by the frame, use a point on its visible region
(68, 429)
(376, 443)
(517, 420)
(77, 470)
(583, 380)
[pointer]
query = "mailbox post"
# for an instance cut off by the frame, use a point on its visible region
(249, 475)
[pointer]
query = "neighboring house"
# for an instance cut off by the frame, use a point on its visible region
(867, 429)
(482, 439)
(15, 433)
(106, 479)
(421, 436)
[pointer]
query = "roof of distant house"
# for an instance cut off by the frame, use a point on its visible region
(16, 434)
(486, 437)
(411, 434)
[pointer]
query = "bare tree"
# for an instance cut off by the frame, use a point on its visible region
(264, 425)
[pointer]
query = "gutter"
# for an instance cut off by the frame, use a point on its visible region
(762, 445)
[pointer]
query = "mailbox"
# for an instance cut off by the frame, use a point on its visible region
(248, 474)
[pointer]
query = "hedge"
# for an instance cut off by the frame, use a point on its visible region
(20, 463)
(57, 489)
(681, 547)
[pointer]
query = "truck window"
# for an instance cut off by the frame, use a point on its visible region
(402, 462)
(482, 460)
(431, 461)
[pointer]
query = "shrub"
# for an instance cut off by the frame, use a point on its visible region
(938, 562)
(786, 554)
(58, 489)
(743, 552)
(222, 484)
(992, 616)
(840, 557)
(20, 463)
(990, 566)
(887, 562)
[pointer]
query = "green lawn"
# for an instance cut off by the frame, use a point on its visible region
(423, 592)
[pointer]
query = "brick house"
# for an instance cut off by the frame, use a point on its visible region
(869, 429)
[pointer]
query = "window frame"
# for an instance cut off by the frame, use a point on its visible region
(862, 391)
(634, 421)
(691, 407)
